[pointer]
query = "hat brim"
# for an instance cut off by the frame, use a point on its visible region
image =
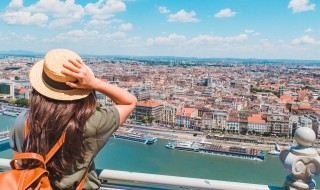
(37, 82)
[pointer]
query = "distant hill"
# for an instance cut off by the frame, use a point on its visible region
(20, 53)
(168, 59)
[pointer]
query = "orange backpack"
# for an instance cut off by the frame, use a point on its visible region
(32, 179)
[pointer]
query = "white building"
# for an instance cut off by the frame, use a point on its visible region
(257, 124)
(183, 118)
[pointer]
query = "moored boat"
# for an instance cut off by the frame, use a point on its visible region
(187, 146)
(171, 145)
(4, 136)
(277, 150)
(233, 151)
(217, 149)
(136, 137)
(13, 114)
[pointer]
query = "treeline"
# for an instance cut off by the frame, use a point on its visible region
(20, 102)
(255, 90)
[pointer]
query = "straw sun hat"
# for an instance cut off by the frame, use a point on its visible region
(46, 77)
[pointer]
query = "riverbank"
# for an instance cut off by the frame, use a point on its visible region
(179, 135)
(176, 135)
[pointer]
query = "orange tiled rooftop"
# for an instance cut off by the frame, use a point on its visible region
(186, 112)
(148, 103)
(256, 119)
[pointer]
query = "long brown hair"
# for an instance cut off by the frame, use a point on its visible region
(48, 119)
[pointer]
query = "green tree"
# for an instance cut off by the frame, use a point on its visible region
(140, 118)
(150, 119)
(224, 130)
(307, 87)
(145, 119)
(16, 78)
(12, 101)
(318, 98)
(244, 131)
(266, 134)
(282, 135)
(22, 102)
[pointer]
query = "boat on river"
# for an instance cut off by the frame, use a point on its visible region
(4, 136)
(277, 150)
(135, 137)
(9, 113)
(218, 149)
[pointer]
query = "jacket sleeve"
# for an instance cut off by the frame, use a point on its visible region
(17, 133)
(105, 121)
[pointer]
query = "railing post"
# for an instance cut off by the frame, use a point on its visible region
(302, 161)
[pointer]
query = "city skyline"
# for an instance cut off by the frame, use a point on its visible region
(213, 29)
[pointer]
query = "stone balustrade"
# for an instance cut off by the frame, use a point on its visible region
(302, 162)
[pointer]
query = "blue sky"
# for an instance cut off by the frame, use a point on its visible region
(276, 29)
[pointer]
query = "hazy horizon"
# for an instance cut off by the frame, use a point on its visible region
(29, 53)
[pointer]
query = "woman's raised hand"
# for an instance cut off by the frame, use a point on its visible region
(80, 71)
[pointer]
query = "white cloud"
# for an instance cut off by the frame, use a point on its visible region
(66, 12)
(81, 33)
(76, 36)
(301, 5)
(16, 4)
(252, 32)
(24, 18)
(218, 39)
(265, 42)
(88, 36)
(98, 23)
(183, 16)
(126, 27)
(63, 22)
(305, 40)
(105, 9)
(309, 30)
(175, 39)
(28, 38)
(172, 39)
(58, 9)
(280, 41)
(224, 13)
(163, 10)
(248, 31)
(114, 36)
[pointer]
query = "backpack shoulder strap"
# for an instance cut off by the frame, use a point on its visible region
(54, 149)
(26, 128)
(84, 177)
